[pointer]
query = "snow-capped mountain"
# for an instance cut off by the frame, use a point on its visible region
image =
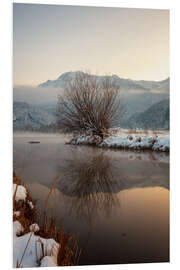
(146, 103)
(29, 116)
(63, 80)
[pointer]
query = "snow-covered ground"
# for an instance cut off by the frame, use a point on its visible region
(124, 139)
(20, 192)
(30, 250)
(149, 140)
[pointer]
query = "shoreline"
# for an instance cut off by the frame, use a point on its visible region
(120, 139)
(37, 242)
(132, 141)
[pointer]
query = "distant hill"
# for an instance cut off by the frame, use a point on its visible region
(155, 117)
(43, 117)
(26, 116)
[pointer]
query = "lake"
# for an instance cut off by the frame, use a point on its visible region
(116, 202)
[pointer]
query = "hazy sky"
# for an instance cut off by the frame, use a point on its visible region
(49, 40)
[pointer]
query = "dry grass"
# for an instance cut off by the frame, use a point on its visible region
(69, 253)
(144, 131)
(27, 214)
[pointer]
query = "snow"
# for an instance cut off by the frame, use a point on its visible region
(86, 139)
(21, 192)
(37, 251)
(34, 227)
(153, 142)
(17, 228)
(121, 139)
(162, 144)
(47, 261)
(31, 204)
(33, 256)
(16, 213)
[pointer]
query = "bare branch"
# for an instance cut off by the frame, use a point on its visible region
(89, 104)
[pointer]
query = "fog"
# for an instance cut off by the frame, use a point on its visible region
(39, 95)
(134, 100)
(35, 95)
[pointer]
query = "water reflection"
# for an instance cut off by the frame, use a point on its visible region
(94, 180)
(90, 182)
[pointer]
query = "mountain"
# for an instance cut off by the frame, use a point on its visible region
(61, 81)
(26, 116)
(35, 107)
(155, 117)
(125, 84)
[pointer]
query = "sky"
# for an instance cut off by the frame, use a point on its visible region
(49, 40)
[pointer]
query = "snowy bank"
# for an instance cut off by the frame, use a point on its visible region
(34, 245)
(122, 140)
(19, 192)
(157, 143)
(30, 250)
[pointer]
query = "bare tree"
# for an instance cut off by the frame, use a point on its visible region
(89, 104)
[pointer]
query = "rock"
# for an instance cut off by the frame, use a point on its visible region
(130, 137)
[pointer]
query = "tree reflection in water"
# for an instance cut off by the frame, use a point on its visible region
(90, 182)
(93, 179)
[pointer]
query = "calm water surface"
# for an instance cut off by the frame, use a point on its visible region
(115, 202)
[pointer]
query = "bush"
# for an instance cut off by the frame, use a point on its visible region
(89, 105)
